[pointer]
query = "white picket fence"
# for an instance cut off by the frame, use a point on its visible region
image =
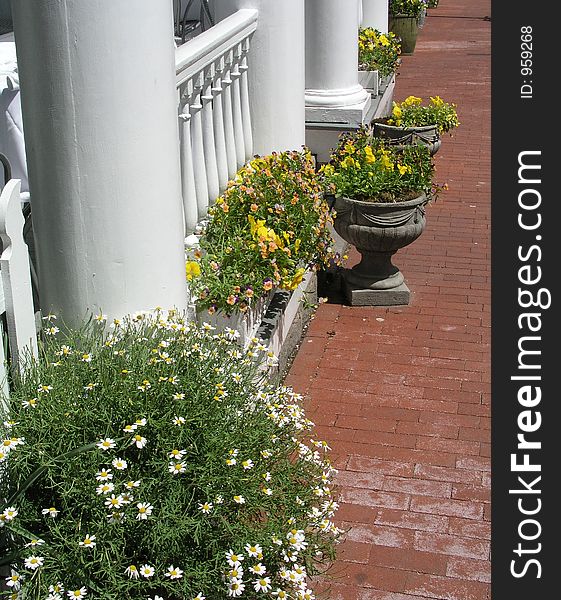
(16, 299)
(214, 111)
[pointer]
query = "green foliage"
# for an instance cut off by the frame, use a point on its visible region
(135, 461)
(410, 8)
(266, 230)
(366, 168)
(378, 51)
(413, 113)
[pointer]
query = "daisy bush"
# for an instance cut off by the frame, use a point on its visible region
(265, 231)
(153, 460)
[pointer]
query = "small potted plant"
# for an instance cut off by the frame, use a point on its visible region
(415, 121)
(404, 17)
(380, 196)
(378, 57)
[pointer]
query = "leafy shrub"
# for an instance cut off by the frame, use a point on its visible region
(155, 461)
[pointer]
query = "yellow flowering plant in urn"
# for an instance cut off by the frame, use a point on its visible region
(378, 51)
(417, 121)
(381, 191)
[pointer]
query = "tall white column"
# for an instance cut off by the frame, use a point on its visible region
(100, 120)
(332, 60)
(276, 72)
(375, 14)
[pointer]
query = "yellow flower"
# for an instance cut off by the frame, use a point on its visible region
(404, 169)
(370, 158)
(347, 162)
(192, 269)
(397, 112)
(292, 284)
(384, 40)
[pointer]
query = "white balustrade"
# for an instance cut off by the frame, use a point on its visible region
(214, 111)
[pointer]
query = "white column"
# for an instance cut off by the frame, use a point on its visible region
(100, 118)
(332, 55)
(276, 72)
(375, 14)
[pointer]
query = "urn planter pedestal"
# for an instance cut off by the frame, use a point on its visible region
(378, 230)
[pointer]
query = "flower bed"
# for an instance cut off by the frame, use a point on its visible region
(155, 462)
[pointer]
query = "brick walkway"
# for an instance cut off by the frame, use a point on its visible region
(402, 394)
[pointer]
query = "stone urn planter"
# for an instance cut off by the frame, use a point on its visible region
(378, 230)
(401, 136)
(407, 28)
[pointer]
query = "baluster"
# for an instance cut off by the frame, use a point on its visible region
(219, 136)
(237, 108)
(208, 137)
(188, 190)
(246, 109)
(199, 166)
(229, 117)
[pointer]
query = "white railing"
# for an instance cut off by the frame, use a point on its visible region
(214, 111)
(16, 299)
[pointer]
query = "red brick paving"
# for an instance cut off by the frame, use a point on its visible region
(402, 394)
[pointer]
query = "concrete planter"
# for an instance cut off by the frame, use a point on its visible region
(401, 136)
(370, 81)
(378, 230)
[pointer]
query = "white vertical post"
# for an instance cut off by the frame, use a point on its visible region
(219, 136)
(229, 117)
(189, 193)
(199, 165)
(244, 97)
(208, 135)
(235, 74)
(332, 54)
(276, 75)
(100, 119)
(375, 14)
(16, 278)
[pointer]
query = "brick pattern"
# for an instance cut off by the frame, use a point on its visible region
(402, 394)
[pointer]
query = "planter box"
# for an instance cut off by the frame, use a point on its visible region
(370, 81)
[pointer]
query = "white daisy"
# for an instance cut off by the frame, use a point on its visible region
(178, 467)
(235, 588)
(174, 572)
(144, 510)
(139, 441)
(132, 572)
(104, 475)
(34, 562)
(247, 464)
(254, 550)
(114, 501)
(57, 588)
(106, 444)
(36, 542)
(88, 541)
(178, 420)
(9, 513)
(132, 484)
(120, 464)
(77, 594)
(147, 571)
(177, 454)
(233, 558)
(262, 585)
(205, 508)
(239, 499)
(14, 580)
(258, 569)
(31, 403)
(52, 512)
(104, 488)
